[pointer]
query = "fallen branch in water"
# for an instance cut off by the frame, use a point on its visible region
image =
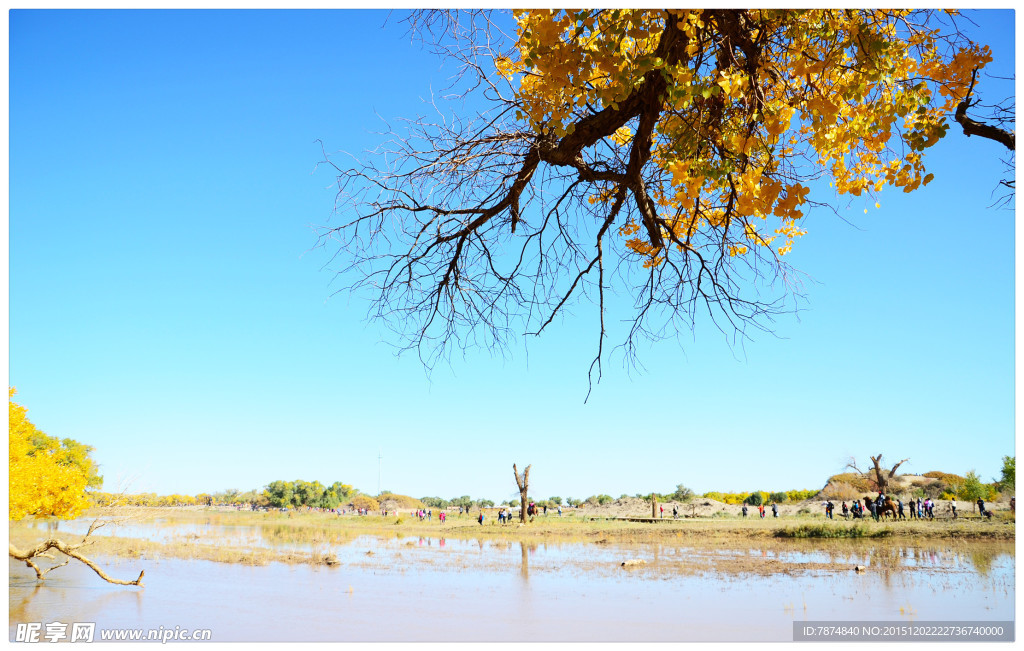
(42, 550)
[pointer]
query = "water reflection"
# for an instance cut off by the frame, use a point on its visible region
(17, 607)
(982, 561)
(884, 560)
(481, 590)
(276, 534)
(525, 550)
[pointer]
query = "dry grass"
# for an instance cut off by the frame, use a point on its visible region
(184, 548)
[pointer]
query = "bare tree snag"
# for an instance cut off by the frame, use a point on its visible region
(654, 505)
(522, 481)
(42, 551)
(882, 478)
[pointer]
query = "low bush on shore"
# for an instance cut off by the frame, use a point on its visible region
(832, 531)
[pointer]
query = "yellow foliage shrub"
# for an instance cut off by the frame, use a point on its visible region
(41, 481)
(365, 502)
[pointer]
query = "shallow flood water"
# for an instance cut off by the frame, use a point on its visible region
(404, 588)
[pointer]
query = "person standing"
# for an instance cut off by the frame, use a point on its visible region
(744, 510)
(775, 510)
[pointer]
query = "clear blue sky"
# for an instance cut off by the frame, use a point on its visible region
(167, 306)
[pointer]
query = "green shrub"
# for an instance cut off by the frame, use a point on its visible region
(832, 531)
(972, 488)
(682, 494)
(1008, 474)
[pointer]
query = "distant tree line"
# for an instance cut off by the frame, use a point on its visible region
(300, 493)
(684, 494)
(464, 501)
(99, 498)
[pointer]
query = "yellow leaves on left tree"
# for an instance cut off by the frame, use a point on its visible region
(42, 480)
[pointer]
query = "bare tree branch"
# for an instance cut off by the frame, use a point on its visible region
(474, 229)
(973, 127)
(40, 551)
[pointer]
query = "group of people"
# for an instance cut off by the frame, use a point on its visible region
(761, 511)
(921, 509)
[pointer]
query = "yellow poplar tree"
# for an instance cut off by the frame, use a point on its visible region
(48, 478)
(666, 152)
(43, 481)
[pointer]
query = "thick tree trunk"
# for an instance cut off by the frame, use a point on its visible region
(523, 482)
(881, 477)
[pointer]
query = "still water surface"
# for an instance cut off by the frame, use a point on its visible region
(434, 589)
